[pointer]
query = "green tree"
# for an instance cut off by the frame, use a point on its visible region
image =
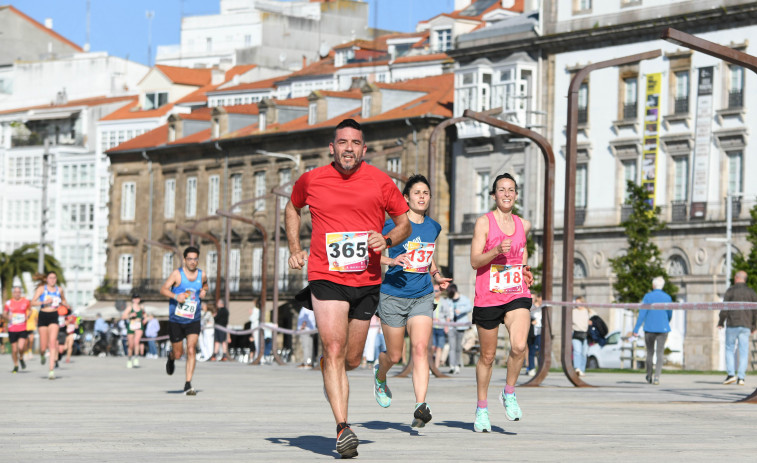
(748, 263)
(641, 262)
(24, 260)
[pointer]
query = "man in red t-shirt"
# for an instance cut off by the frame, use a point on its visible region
(348, 200)
(16, 312)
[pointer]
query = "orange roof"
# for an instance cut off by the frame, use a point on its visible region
(43, 28)
(198, 96)
(92, 101)
(261, 84)
(320, 67)
(186, 76)
(300, 101)
(243, 109)
(197, 137)
(423, 58)
(354, 93)
(238, 71)
(495, 5)
(154, 137)
(132, 111)
(201, 114)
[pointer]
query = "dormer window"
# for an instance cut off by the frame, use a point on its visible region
(343, 56)
(154, 100)
(443, 39)
(366, 112)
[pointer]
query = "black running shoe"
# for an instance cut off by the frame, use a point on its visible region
(15, 370)
(188, 389)
(170, 367)
(421, 416)
(346, 441)
(23, 364)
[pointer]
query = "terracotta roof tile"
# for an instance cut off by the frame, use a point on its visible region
(198, 96)
(43, 28)
(320, 67)
(423, 58)
(239, 70)
(186, 76)
(354, 93)
(259, 85)
(201, 114)
(155, 137)
(93, 101)
(197, 137)
(132, 111)
(242, 109)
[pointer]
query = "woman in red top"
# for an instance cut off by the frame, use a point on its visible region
(16, 313)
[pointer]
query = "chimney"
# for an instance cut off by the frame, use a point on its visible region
(217, 76)
(49, 23)
(304, 61)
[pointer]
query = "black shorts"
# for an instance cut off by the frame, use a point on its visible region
(14, 336)
(491, 317)
(363, 300)
(219, 336)
(47, 319)
(178, 331)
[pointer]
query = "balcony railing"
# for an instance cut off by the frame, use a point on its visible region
(682, 105)
(736, 99)
(678, 211)
(629, 111)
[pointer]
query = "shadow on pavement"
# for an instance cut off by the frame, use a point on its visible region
(320, 445)
(383, 425)
(181, 391)
(468, 426)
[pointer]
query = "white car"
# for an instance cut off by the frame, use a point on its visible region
(609, 355)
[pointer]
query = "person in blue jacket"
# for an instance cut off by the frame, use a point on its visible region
(656, 327)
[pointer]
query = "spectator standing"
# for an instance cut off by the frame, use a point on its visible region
(306, 321)
(581, 324)
(151, 331)
(441, 315)
(534, 338)
(739, 324)
(460, 307)
(221, 336)
(656, 328)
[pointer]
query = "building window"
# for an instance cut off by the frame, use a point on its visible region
(125, 271)
(260, 190)
(312, 114)
(394, 165)
(677, 267)
(581, 6)
(366, 111)
(284, 266)
(443, 39)
(236, 190)
(581, 185)
(128, 198)
(211, 266)
(735, 171)
(285, 176)
(482, 199)
(681, 105)
(579, 269)
(169, 199)
(583, 103)
(736, 87)
(234, 266)
(630, 173)
(214, 189)
(257, 266)
(153, 100)
(208, 43)
(191, 206)
(167, 264)
(630, 97)
(681, 178)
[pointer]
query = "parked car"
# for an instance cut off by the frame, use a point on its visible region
(610, 355)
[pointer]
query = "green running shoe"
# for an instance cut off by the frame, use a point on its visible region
(381, 390)
(482, 423)
(512, 409)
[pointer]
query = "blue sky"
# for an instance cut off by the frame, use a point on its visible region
(121, 28)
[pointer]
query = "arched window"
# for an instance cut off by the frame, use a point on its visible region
(579, 269)
(677, 266)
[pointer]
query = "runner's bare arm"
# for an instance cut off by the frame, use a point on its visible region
(292, 221)
(402, 259)
(204, 289)
(37, 293)
(173, 280)
(479, 258)
(437, 277)
(401, 230)
(126, 313)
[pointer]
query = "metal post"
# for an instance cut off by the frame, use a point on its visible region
(43, 218)
(728, 230)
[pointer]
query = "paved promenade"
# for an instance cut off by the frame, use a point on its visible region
(99, 411)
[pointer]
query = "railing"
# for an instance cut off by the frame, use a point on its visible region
(736, 99)
(682, 105)
(678, 211)
(239, 287)
(629, 111)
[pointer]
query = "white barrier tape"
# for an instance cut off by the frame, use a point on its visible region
(269, 326)
(159, 338)
(660, 305)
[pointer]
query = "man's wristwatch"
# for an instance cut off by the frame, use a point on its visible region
(388, 241)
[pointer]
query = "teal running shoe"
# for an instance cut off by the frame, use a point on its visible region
(482, 423)
(512, 409)
(380, 389)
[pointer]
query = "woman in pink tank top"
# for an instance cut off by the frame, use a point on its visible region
(498, 253)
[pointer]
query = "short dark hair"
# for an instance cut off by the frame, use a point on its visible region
(500, 177)
(351, 123)
(415, 178)
(191, 249)
(135, 296)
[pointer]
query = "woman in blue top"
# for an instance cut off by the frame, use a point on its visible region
(51, 300)
(407, 298)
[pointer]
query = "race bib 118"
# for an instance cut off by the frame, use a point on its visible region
(347, 251)
(420, 255)
(505, 278)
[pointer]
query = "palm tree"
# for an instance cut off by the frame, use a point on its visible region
(24, 260)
